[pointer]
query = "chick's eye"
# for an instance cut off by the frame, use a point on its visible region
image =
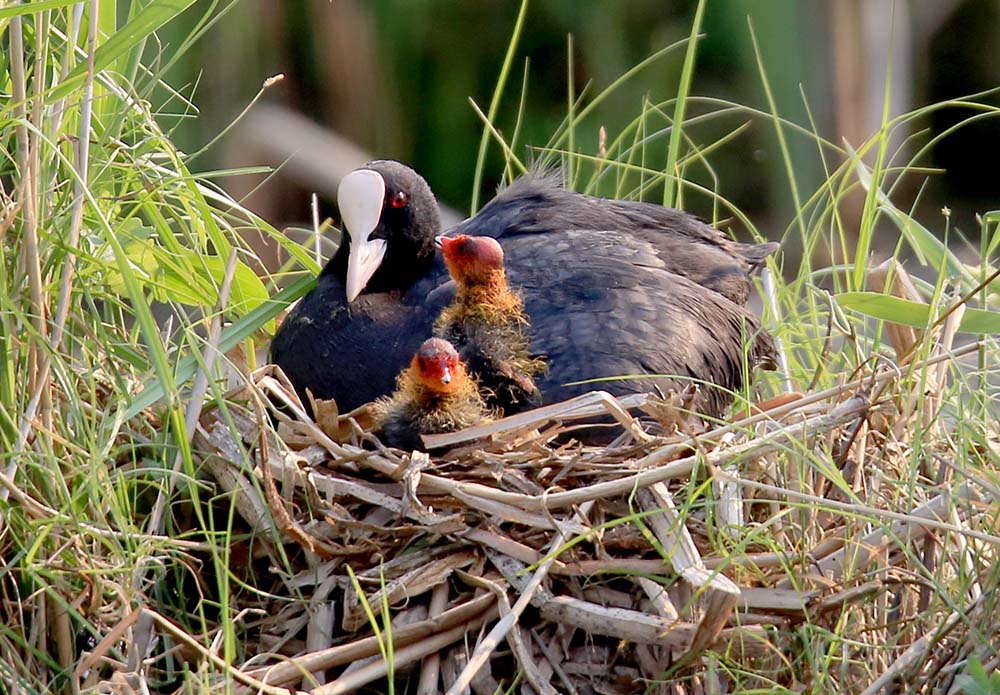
(399, 200)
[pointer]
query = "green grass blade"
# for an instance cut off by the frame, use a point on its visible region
(779, 129)
(931, 250)
(151, 18)
(29, 8)
(916, 314)
(231, 337)
(680, 107)
(477, 179)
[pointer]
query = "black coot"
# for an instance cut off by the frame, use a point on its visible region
(611, 288)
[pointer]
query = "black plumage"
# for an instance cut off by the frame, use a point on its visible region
(353, 351)
(611, 289)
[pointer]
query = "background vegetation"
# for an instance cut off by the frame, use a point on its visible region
(396, 76)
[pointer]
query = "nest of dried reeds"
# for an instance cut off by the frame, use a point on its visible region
(693, 561)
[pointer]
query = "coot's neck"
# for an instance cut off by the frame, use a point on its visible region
(399, 270)
(461, 390)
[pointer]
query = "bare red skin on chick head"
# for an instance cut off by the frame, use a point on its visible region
(437, 366)
(472, 259)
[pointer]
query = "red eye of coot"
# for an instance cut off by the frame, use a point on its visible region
(399, 200)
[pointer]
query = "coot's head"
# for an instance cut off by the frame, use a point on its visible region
(472, 260)
(390, 219)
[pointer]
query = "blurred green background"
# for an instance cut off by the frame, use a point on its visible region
(393, 78)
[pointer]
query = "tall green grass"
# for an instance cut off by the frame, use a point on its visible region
(118, 266)
(832, 326)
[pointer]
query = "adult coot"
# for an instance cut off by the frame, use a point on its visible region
(611, 289)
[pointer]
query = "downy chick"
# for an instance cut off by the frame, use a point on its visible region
(435, 394)
(487, 324)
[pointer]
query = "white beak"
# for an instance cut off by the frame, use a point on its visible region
(446, 377)
(363, 261)
(360, 197)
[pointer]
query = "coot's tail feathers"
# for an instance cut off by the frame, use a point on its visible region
(756, 254)
(764, 354)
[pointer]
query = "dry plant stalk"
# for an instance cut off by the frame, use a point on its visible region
(902, 337)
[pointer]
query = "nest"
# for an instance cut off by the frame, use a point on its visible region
(521, 556)
(519, 560)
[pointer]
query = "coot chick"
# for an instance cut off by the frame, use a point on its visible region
(487, 324)
(611, 288)
(435, 394)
